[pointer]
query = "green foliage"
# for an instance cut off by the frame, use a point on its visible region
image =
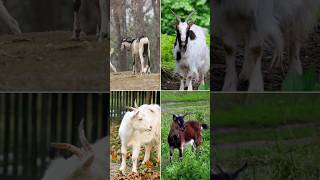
(306, 82)
(167, 59)
(184, 8)
(203, 87)
(194, 165)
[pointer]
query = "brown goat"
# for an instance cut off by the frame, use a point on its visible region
(184, 133)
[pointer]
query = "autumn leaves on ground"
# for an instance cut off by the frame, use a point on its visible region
(150, 170)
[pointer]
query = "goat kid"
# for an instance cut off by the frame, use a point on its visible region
(140, 48)
(102, 13)
(223, 175)
(190, 52)
(183, 134)
(140, 127)
(8, 19)
(88, 162)
(258, 22)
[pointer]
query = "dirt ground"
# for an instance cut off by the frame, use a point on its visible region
(126, 80)
(51, 61)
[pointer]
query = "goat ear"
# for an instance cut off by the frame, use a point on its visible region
(174, 117)
(192, 35)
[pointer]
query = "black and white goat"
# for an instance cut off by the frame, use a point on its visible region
(102, 26)
(259, 22)
(140, 48)
(191, 52)
(8, 19)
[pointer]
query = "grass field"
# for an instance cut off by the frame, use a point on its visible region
(277, 134)
(194, 165)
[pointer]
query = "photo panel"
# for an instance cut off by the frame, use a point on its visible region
(54, 136)
(135, 135)
(135, 45)
(185, 135)
(265, 136)
(185, 42)
(54, 45)
(273, 49)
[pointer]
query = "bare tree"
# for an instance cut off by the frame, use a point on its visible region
(9, 20)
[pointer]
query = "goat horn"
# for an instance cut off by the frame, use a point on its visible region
(177, 17)
(186, 114)
(135, 103)
(69, 147)
(131, 108)
(188, 17)
(83, 140)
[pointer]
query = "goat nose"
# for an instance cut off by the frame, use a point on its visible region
(150, 127)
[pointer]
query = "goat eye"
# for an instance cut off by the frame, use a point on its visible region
(140, 119)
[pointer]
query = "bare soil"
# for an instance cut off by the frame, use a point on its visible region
(126, 80)
(51, 61)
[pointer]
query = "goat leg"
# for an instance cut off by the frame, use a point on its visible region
(256, 79)
(181, 84)
(171, 153)
(141, 49)
(148, 148)
(135, 155)
(180, 152)
(294, 55)
(231, 79)
(76, 20)
(124, 157)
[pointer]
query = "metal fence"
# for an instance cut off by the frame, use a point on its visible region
(119, 100)
(30, 122)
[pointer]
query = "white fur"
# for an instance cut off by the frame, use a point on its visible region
(140, 127)
(137, 49)
(195, 60)
(258, 22)
(73, 167)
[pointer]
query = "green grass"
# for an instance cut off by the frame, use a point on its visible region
(195, 165)
(176, 96)
(258, 118)
(167, 43)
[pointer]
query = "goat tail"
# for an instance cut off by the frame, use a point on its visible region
(204, 126)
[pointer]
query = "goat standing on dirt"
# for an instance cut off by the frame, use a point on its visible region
(190, 52)
(184, 133)
(102, 12)
(140, 48)
(140, 127)
(257, 22)
(8, 19)
(223, 175)
(88, 162)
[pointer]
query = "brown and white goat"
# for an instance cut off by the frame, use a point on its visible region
(102, 26)
(184, 133)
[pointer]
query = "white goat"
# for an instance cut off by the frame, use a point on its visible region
(140, 127)
(257, 22)
(190, 52)
(102, 12)
(139, 48)
(88, 162)
(8, 19)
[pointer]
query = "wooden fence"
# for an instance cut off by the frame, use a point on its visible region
(119, 100)
(30, 122)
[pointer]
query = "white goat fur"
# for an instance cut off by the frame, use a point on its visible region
(257, 22)
(8, 19)
(140, 127)
(111, 65)
(137, 48)
(195, 60)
